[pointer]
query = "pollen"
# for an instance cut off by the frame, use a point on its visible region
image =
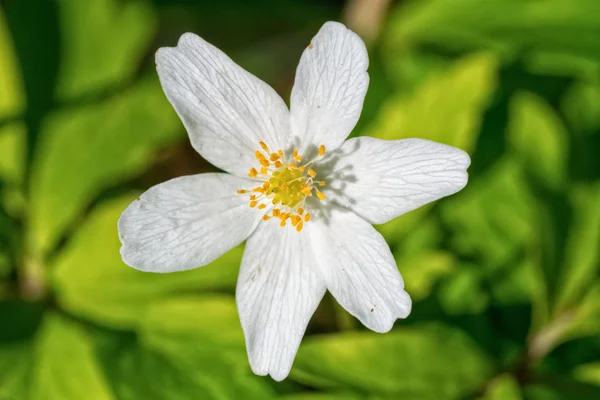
(284, 184)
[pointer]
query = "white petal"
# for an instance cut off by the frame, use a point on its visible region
(331, 83)
(278, 291)
(359, 269)
(382, 179)
(186, 222)
(226, 110)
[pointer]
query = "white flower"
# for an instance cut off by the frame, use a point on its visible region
(303, 197)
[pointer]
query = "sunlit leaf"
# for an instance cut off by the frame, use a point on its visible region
(589, 373)
(15, 368)
(203, 337)
(447, 108)
(404, 363)
(508, 26)
(581, 266)
(12, 99)
(13, 150)
(65, 365)
(324, 396)
(581, 107)
(102, 43)
(503, 387)
(90, 148)
(539, 139)
(463, 292)
(92, 280)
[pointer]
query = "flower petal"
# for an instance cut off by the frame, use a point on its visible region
(186, 222)
(226, 110)
(359, 269)
(382, 179)
(331, 83)
(278, 291)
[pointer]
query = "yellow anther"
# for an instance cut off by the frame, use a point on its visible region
(285, 183)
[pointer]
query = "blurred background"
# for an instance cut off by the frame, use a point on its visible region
(504, 275)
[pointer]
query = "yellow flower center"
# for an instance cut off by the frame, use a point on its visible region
(286, 185)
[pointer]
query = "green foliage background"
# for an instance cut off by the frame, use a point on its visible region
(504, 275)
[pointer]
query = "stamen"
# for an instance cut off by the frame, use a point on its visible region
(285, 184)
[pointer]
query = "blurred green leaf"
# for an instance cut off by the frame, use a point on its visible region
(65, 365)
(402, 363)
(103, 43)
(503, 387)
(12, 99)
(585, 320)
(589, 373)
(202, 336)
(324, 396)
(12, 152)
(507, 26)
(15, 369)
(463, 292)
(491, 219)
(93, 147)
(92, 281)
(581, 266)
(447, 108)
(581, 107)
(539, 139)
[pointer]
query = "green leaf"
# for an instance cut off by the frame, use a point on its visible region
(581, 107)
(13, 148)
(12, 100)
(65, 365)
(503, 387)
(539, 139)
(589, 373)
(463, 292)
(92, 281)
(15, 368)
(202, 336)
(402, 363)
(581, 268)
(90, 148)
(507, 26)
(447, 108)
(323, 396)
(103, 43)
